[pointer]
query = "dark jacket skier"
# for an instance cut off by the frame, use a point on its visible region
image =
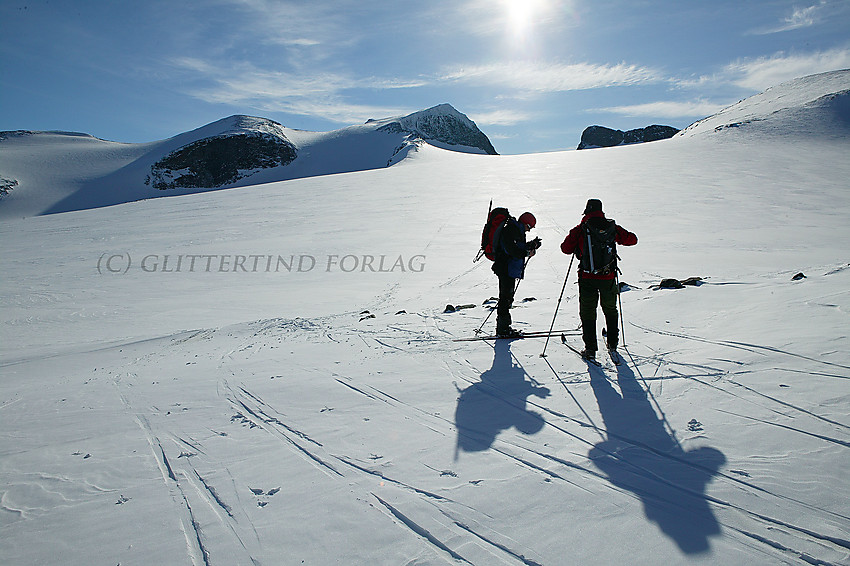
(509, 265)
(596, 288)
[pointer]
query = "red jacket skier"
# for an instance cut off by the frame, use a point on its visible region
(600, 286)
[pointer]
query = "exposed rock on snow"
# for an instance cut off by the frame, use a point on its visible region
(7, 185)
(677, 284)
(600, 136)
(455, 308)
(219, 161)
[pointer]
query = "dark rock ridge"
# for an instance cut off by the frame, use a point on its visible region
(221, 160)
(600, 136)
(442, 124)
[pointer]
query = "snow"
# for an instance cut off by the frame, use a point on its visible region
(243, 415)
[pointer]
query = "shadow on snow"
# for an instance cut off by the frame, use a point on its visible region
(496, 403)
(641, 456)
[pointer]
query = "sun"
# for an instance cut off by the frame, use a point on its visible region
(521, 16)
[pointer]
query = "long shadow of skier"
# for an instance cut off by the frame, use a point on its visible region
(640, 456)
(496, 403)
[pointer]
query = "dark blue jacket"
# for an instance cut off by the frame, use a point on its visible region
(511, 250)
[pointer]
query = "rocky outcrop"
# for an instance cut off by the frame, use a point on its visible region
(600, 136)
(6, 185)
(220, 160)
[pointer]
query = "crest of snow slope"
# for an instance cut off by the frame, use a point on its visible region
(253, 416)
(816, 105)
(60, 171)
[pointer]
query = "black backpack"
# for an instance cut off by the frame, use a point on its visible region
(600, 247)
(496, 220)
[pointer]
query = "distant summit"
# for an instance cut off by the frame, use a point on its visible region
(443, 126)
(600, 136)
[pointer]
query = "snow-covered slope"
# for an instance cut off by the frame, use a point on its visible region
(813, 106)
(267, 375)
(60, 171)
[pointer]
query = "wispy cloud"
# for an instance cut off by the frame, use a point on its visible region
(799, 18)
(504, 117)
(666, 109)
(552, 77)
(764, 72)
(757, 74)
(324, 93)
(318, 94)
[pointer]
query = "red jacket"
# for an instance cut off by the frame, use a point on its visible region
(574, 243)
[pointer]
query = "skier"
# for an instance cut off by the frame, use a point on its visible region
(509, 266)
(597, 273)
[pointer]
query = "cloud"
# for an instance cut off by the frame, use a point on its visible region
(760, 73)
(317, 94)
(500, 118)
(666, 109)
(552, 77)
(764, 72)
(799, 18)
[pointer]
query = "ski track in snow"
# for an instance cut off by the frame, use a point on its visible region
(192, 491)
(216, 523)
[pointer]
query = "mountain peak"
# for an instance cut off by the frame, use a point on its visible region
(446, 127)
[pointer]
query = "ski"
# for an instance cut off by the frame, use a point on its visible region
(578, 352)
(543, 334)
(615, 356)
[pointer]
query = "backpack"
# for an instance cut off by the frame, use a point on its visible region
(496, 220)
(600, 248)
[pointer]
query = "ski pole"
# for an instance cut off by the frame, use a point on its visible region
(546, 345)
(478, 330)
(622, 323)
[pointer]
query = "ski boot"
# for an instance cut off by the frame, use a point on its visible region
(508, 333)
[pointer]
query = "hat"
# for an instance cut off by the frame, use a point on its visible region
(593, 205)
(528, 219)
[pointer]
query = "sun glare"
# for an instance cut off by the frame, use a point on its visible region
(525, 20)
(520, 16)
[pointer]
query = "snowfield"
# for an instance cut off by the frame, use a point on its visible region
(267, 374)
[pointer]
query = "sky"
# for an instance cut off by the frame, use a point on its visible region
(532, 74)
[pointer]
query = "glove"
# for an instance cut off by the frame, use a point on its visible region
(535, 244)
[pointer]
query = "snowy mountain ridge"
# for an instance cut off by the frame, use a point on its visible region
(50, 172)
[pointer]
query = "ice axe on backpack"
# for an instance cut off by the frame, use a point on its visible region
(480, 253)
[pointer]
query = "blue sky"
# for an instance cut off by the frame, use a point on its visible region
(531, 73)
